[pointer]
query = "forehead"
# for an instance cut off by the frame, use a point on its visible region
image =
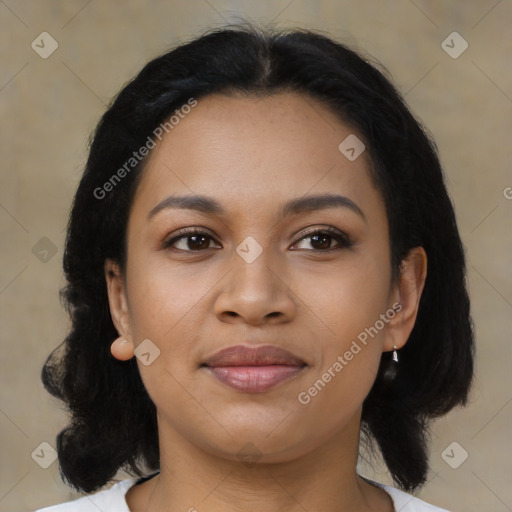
(254, 152)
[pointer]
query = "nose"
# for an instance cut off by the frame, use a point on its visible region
(255, 293)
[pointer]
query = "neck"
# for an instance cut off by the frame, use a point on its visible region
(324, 479)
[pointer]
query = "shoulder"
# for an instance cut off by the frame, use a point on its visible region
(405, 502)
(112, 499)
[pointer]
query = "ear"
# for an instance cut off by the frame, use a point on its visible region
(407, 292)
(117, 299)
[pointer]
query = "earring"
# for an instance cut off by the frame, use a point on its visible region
(122, 349)
(395, 355)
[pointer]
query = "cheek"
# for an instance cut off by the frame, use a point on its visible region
(337, 394)
(347, 311)
(167, 306)
(346, 299)
(350, 344)
(162, 299)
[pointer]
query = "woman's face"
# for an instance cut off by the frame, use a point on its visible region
(258, 275)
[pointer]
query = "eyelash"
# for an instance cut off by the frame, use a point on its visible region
(341, 238)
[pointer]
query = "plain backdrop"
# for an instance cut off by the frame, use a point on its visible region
(50, 105)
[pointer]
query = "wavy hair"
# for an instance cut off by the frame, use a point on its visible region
(112, 418)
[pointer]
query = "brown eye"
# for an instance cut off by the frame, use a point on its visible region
(321, 239)
(197, 242)
(190, 241)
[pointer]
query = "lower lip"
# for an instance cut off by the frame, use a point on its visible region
(254, 379)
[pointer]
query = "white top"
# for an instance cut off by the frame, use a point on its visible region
(113, 500)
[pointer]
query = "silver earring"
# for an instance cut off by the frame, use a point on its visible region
(395, 355)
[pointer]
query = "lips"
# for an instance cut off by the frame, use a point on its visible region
(264, 355)
(253, 369)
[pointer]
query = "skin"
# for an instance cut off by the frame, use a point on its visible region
(252, 155)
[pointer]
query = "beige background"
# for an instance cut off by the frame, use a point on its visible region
(49, 107)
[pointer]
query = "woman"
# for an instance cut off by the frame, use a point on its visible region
(247, 276)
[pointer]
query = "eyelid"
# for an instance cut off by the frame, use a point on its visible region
(311, 230)
(183, 232)
(193, 230)
(335, 233)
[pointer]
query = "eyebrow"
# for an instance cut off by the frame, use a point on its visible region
(303, 204)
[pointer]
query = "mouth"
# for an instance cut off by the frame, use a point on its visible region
(254, 369)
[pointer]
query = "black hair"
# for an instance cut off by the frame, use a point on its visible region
(113, 420)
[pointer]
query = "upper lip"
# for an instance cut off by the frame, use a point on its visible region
(263, 355)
